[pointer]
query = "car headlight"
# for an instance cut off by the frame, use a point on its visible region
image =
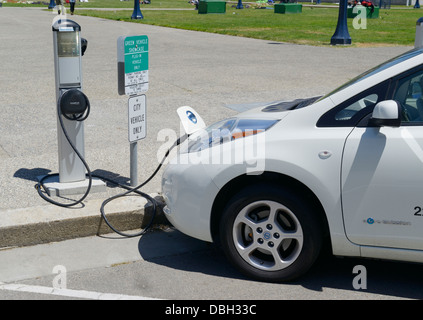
(225, 131)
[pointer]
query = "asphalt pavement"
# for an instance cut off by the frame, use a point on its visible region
(217, 75)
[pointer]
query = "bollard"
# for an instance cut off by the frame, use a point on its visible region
(418, 42)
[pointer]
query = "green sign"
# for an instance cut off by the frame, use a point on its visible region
(136, 54)
(132, 65)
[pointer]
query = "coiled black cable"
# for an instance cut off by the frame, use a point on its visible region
(40, 184)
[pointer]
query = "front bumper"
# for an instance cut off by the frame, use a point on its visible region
(189, 193)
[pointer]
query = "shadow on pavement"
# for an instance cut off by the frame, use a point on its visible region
(387, 278)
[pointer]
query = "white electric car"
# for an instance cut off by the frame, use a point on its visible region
(272, 183)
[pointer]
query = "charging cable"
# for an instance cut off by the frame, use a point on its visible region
(136, 190)
(40, 186)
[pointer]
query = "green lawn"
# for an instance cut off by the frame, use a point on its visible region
(314, 26)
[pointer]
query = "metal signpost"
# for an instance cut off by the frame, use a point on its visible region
(133, 81)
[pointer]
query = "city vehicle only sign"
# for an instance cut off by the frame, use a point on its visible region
(136, 118)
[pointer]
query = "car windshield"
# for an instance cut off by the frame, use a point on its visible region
(387, 64)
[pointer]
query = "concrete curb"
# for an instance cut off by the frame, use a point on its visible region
(43, 224)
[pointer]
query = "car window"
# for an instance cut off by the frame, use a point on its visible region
(350, 112)
(409, 92)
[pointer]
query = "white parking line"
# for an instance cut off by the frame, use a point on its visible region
(82, 294)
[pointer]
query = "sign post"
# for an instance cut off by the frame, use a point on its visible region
(133, 81)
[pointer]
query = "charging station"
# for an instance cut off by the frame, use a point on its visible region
(73, 108)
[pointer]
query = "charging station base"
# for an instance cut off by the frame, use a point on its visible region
(54, 187)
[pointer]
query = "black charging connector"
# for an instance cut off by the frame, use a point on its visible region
(74, 105)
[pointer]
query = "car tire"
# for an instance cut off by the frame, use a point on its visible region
(270, 234)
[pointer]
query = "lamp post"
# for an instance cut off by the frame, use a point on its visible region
(239, 5)
(341, 35)
(136, 14)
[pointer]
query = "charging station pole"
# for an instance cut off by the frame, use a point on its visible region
(67, 62)
(68, 49)
(132, 60)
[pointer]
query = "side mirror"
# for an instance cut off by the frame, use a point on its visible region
(387, 113)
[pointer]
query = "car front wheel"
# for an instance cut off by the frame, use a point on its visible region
(270, 234)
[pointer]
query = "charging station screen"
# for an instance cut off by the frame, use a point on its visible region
(68, 44)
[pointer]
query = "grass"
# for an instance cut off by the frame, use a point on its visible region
(314, 26)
